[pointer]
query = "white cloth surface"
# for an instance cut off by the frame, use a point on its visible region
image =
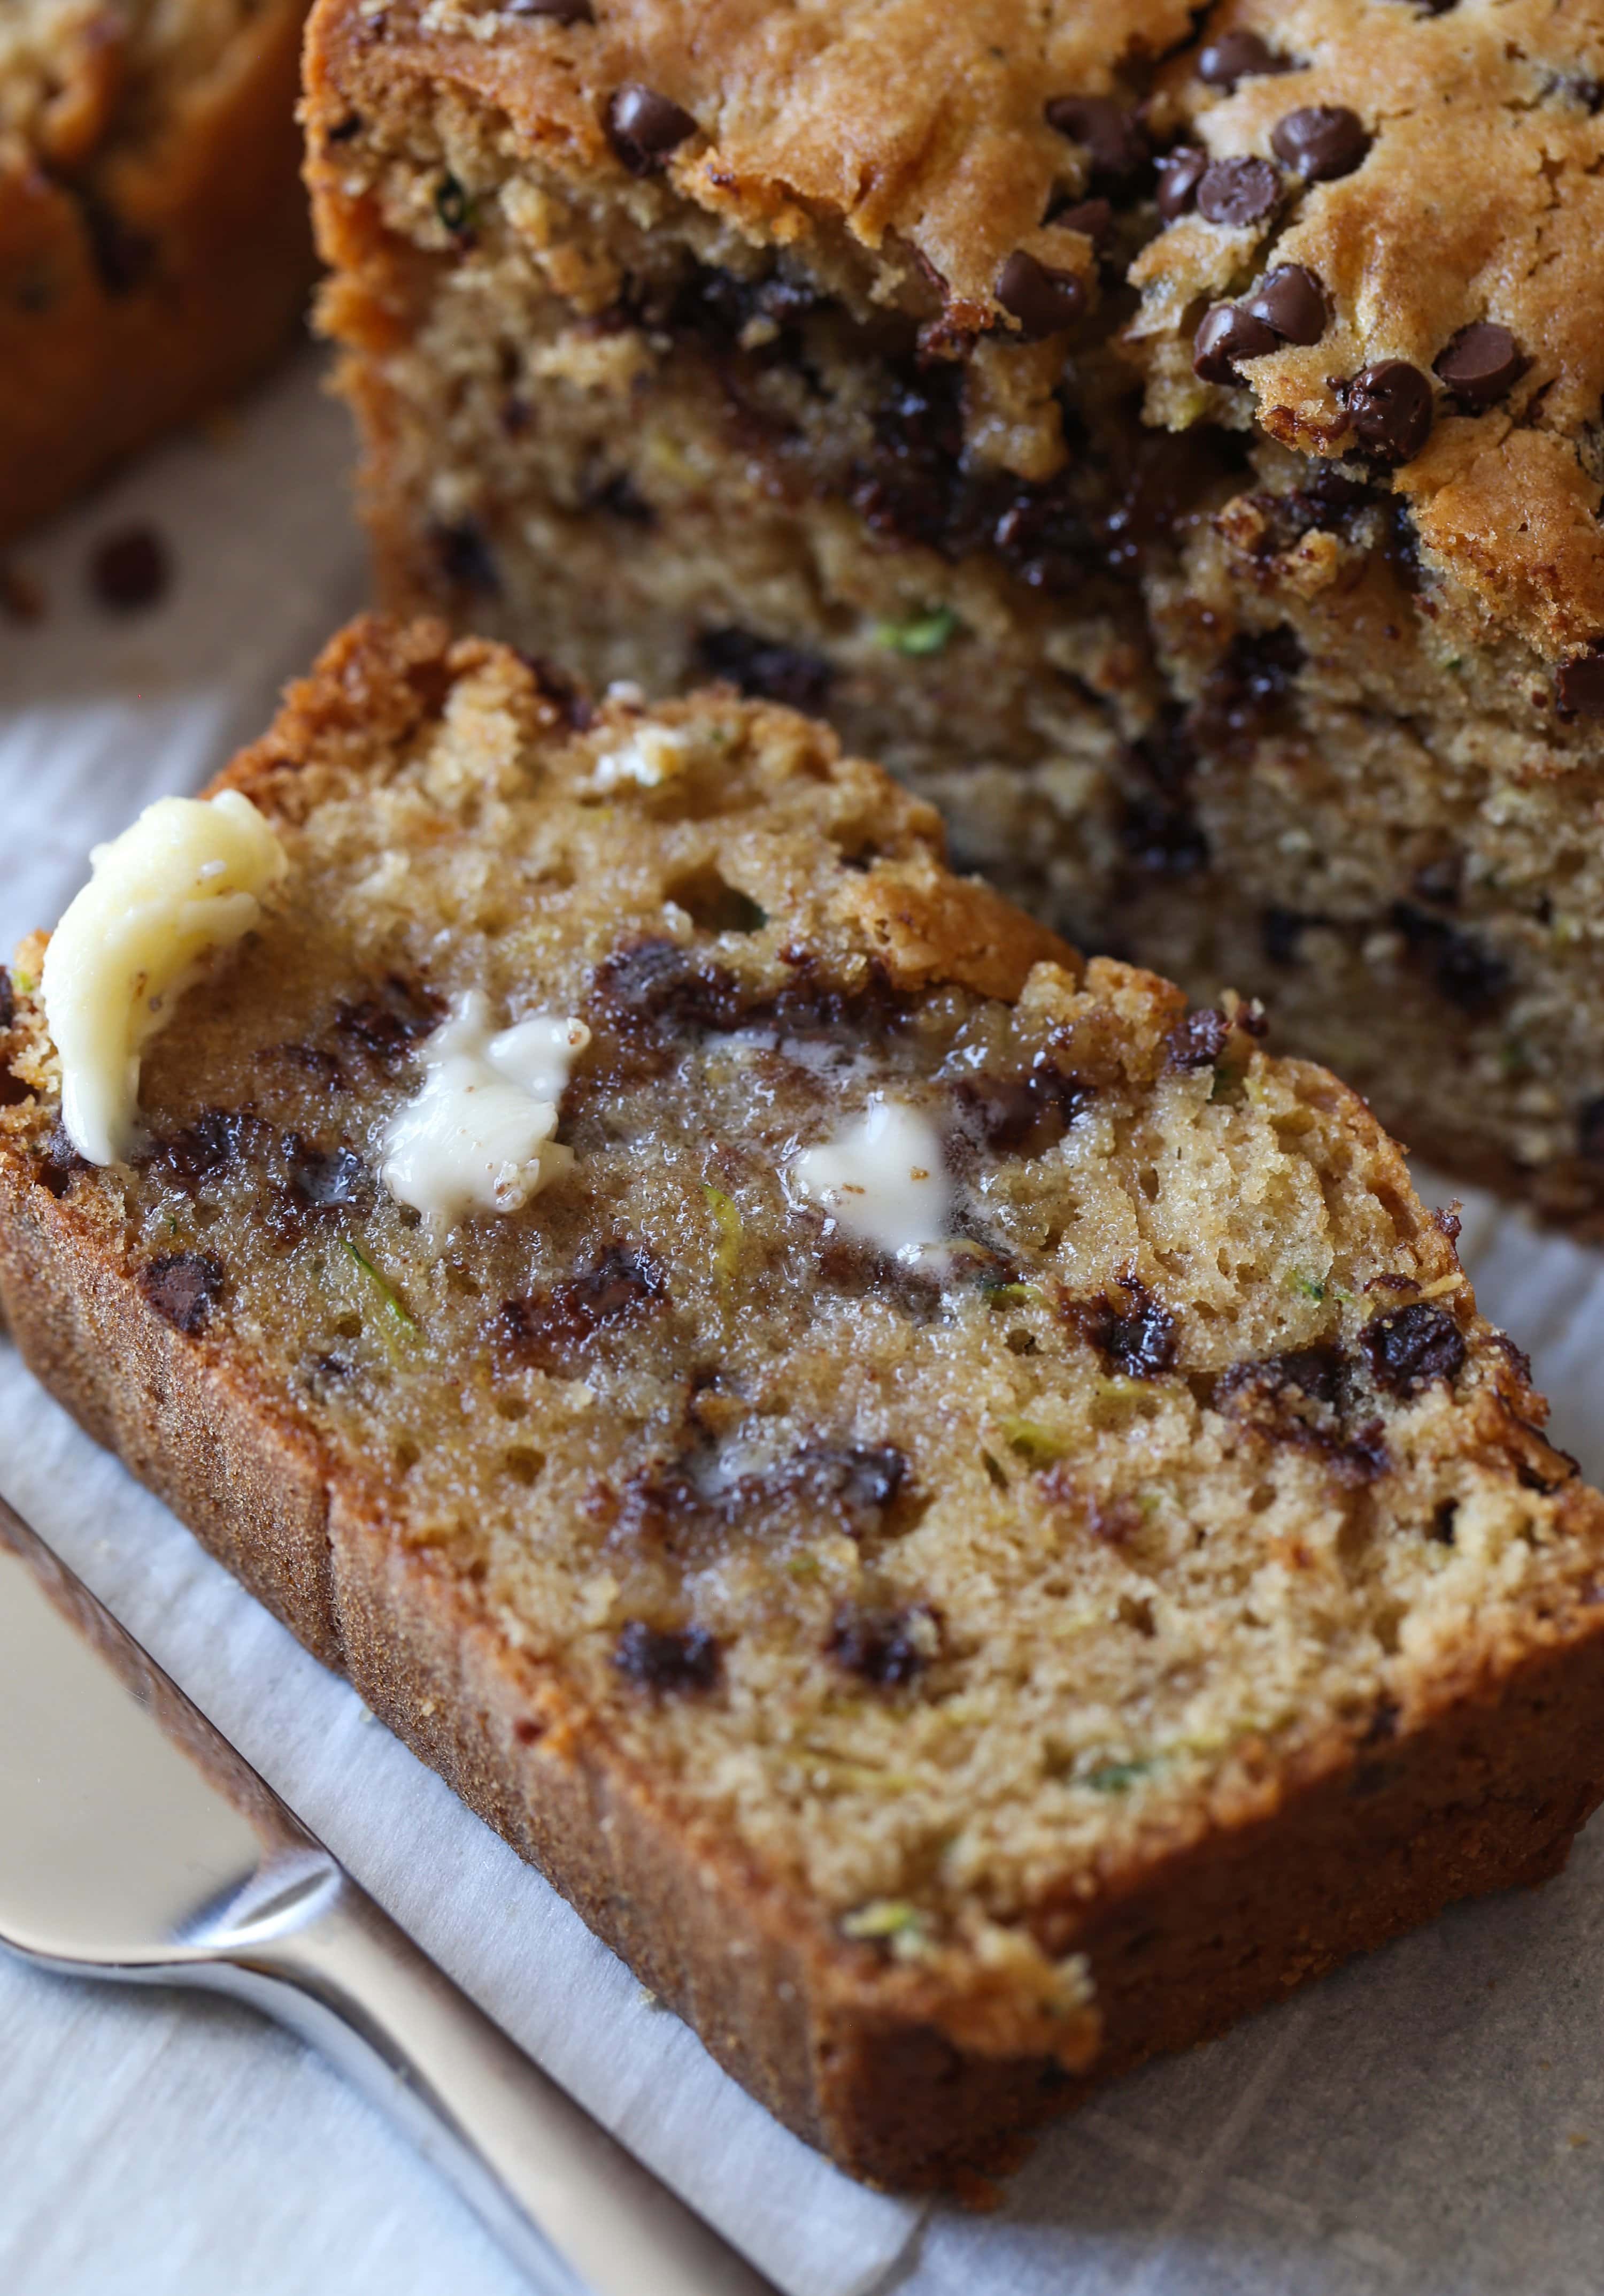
(1431, 2119)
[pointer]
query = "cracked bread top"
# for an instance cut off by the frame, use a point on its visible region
(938, 1587)
(1382, 217)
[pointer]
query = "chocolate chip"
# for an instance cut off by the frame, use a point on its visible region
(1320, 142)
(1043, 301)
(1180, 172)
(59, 1163)
(1579, 684)
(1481, 364)
(1411, 1346)
(553, 1329)
(463, 556)
(1237, 192)
(645, 126)
(667, 1658)
(1238, 55)
(183, 1286)
(1281, 932)
(388, 1024)
(328, 1180)
(560, 12)
(218, 1138)
(1163, 837)
(1093, 219)
(1459, 967)
(1226, 335)
(1390, 407)
(887, 1648)
(1291, 302)
(130, 570)
(1027, 1114)
(345, 130)
(1137, 1338)
(1590, 1131)
(766, 669)
(618, 497)
(1117, 149)
(1198, 1040)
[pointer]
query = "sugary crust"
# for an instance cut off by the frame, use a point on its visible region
(903, 2074)
(153, 278)
(904, 154)
(917, 134)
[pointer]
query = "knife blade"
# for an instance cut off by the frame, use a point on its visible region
(136, 1843)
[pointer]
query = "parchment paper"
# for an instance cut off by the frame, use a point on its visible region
(1430, 2119)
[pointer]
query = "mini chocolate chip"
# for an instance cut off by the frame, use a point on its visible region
(1590, 1131)
(1281, 932)
(1390, 407)
(1320, 142)
(345, 130)
(667, 1659)
(183, 1286)
(464, 556)
(764, 669)
(1481, 364)
(1237, 192)
(1236, 55)
(1197, 1041)
(327, 1181)
(218, 1138)
(645, 126)
(560, 12)
(1412, 1346)
(1226, 335)
(1094, 218)
(1043, 301)
(130, 570)
(1291, 302)
(1138, 1337)
(887, 1648)
(1579, 684)
(1180, 172)
(1115, 143)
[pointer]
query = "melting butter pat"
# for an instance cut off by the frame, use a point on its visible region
(186, 880)
(481, 1135)
(883, 1179)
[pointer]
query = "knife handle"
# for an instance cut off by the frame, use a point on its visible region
(581, 2216)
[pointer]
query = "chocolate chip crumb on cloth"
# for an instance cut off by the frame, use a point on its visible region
(154, 253)
(963, 1512)
(1177, 444)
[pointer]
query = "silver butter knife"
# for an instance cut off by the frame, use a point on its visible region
(136, 1843)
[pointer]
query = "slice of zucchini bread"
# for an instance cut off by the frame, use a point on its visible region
(154, 250)
(962, 1511)
(1169, 438)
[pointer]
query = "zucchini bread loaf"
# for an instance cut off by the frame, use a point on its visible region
(1170, 439)
(153, 246)
(962, 1511)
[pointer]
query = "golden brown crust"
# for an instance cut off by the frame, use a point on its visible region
(154, 277)
(902, 2072)
(1488, 1794)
